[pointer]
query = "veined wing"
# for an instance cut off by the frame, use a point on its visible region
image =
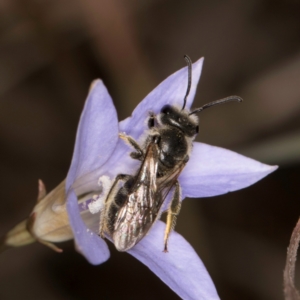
(166, 182)
(139, 212)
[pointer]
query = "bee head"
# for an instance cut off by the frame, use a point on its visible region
(180, 119)
(184, 120)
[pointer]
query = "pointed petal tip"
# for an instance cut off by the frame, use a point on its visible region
(213, 171)
(259, 167)
(97, 133)
(200, 60)
(94, 83)
(198, 64)
(271, 168)
(41, 190)
(256, 176)
(181, 268)
(87, 242)
(267, 169)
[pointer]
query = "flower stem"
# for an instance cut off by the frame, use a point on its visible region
(290, 291)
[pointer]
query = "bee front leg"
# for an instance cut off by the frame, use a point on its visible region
(139, 154)
(173, 212)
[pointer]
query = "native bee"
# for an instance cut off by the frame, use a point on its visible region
(134, 202)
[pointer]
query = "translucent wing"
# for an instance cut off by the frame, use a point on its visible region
(143, 204)
(139, 212)
(166, 183)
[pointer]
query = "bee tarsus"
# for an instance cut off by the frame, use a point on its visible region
(173, 212)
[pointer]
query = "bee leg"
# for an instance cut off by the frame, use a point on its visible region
(173, 212)
(108, 202)
(139, 154)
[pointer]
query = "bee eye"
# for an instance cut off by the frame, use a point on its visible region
(166, 109)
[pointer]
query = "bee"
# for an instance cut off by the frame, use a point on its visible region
(134, 202)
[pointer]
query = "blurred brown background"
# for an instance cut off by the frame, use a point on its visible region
(50, 51)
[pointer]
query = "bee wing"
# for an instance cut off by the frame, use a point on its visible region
(139, 212)
(166, 183)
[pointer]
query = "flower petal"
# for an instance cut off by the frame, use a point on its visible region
(171, 91)
(181, 268)
(88, 243)
(214, 171)
(97, 134)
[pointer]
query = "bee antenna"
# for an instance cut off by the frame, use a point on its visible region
(189, 63)
(213, 103)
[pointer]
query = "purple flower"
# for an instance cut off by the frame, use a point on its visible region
(100, 153)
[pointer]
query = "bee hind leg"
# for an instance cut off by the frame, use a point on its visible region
(173, 212)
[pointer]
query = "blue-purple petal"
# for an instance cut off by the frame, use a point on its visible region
(97, 134)
(87, 242)
(96, 139)
(181, 268)
(214, 171)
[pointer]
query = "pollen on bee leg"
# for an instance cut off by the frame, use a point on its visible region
(97, 202)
